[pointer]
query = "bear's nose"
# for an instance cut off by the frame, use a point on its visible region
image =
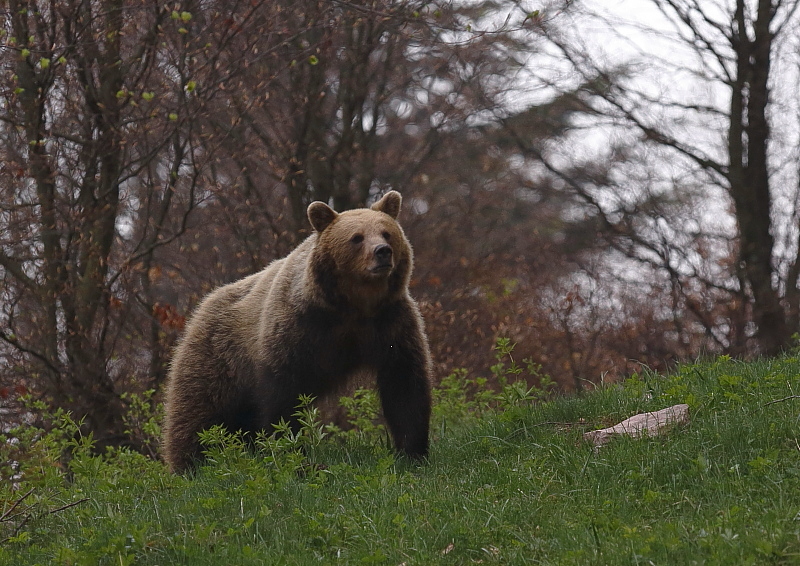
(383, 253)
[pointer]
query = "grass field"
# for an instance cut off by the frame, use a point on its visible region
(512, 485)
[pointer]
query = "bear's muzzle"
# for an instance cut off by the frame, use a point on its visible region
(383, 258)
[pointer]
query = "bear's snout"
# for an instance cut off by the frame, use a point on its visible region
(383, 256)
(383, 252)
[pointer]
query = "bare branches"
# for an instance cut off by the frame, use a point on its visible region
(790, 397)
(20, 513)
(726, 145)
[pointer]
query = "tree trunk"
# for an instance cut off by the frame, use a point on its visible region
(749, 175)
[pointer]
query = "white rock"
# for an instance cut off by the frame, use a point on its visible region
(652, 424)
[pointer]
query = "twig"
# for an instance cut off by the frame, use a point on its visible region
(784, 399)
(19, 528)
(8, 516)
(16, 504)
(558, 423)
(68, 505)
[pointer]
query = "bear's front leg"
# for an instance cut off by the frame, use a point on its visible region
(405, 394)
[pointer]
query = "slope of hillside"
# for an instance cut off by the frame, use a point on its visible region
(515, 484)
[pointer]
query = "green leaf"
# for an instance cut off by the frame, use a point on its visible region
(44, 63)
(190, 86)
(313, 60)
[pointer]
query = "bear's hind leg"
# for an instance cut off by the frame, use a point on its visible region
(182, 449)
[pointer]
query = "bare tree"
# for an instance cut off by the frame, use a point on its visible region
(91, 169)
(703, 155)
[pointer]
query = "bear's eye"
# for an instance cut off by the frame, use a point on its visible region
(386, 235)
(357, 239)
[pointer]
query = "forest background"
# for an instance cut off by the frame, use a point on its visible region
(605, 193)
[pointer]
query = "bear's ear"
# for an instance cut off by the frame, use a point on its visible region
(390, 204)
(320, 215)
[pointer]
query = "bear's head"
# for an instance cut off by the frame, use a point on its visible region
(361, 256)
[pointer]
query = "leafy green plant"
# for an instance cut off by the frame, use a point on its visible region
(283, 453)
(362, 412)
(459, 397)
(40, 455)
(453, 401)
(38, 460)
(143, 421)
(513, 381)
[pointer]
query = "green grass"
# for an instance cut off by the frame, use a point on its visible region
(511, 487)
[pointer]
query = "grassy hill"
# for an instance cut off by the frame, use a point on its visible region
(509, 481)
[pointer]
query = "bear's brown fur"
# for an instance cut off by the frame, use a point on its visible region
(335, 306)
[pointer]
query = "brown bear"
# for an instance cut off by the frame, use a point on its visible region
(336, 306)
